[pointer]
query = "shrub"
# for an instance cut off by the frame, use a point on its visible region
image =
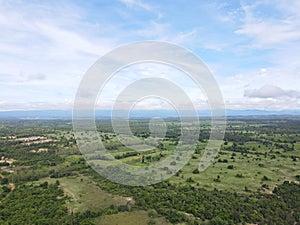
(173, 163)
(239, 175)
(190, 180)
(265, 178)
(230, 167)
(196, 171)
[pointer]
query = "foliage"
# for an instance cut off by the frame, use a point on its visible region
(31, 204)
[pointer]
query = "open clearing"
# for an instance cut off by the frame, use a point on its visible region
(130, 218)
(238, 171)
(85, 194)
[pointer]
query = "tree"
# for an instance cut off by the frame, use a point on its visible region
(230, 167)
(5, 189)
(265, 178)
(4, 181)
(218, 179)
(190, 180)
(196, 171)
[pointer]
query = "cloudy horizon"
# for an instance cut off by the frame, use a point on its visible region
(251, 47)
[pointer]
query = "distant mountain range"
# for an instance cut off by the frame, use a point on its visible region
(67, 114)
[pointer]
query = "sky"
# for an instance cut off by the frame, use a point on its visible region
(251, 47)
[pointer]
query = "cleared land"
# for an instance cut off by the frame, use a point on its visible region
(130, 218)
(85, 194)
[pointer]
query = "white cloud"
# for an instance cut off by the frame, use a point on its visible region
(214, 46)
(266, 33)
(265, 88)
(270, 91)
(44, 49)
(137, 3)
(164, 32)
(270, 31)
(40, 105)
(137, 72)
(263, 103)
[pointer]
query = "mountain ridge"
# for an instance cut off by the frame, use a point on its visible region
(67, 114)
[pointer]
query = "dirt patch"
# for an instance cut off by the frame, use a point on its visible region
(39, 150)
(34, 140)
(8, 160)
(37, 142)
(8, 137)
(29, 139)
(12, 186)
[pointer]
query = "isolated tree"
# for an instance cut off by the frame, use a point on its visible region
(196, 171)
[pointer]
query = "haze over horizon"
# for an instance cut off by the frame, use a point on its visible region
(251, 47)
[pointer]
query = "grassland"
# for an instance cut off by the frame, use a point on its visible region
(242, 172)
(131, 218)
(85, 194)
(257, 155)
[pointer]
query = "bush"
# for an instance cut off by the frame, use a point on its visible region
(4, 181)
(5, 189)
(223, 161)
(265, 178)
(152, 213)
(151, 222)
(194, 157)
(196, 171)
(218, 179)
(173, 163)
(4, 164)
(190, 180)
(230, 167)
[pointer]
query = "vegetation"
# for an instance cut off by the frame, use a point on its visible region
(43, 204)
(254, 179)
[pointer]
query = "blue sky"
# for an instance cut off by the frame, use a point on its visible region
(252, 47)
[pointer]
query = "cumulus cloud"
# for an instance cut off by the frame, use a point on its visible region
(270, 91)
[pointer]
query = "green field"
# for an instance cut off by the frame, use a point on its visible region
(130, 218)
(85, 194)
(246, 170)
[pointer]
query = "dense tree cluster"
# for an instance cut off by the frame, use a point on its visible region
(37, 204)
(194, 206)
